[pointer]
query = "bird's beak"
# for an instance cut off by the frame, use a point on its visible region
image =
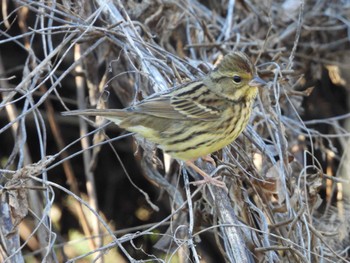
(257, 82)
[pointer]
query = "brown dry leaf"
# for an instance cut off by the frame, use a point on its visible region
(19, 204)
(335, 75)
(17, 186)
(272, 183)
(32, 169)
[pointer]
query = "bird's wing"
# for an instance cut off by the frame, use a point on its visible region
(191, 101)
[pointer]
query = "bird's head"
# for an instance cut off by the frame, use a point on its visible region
(235, 78)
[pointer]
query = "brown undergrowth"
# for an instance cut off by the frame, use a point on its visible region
(77, 189)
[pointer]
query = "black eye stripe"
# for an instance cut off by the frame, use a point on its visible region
(237, 79)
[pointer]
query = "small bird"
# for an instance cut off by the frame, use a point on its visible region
(197, 118)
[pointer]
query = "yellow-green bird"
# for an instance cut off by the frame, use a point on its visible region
(198, 117)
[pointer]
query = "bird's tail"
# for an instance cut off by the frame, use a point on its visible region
(114, 115)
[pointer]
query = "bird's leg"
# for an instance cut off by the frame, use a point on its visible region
(206, 177)
(209, 159)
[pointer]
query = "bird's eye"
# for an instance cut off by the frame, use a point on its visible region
(237, 79)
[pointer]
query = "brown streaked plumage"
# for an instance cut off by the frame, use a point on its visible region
(198, 117)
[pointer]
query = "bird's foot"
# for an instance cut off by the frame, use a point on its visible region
(207, 179)
(210, 180)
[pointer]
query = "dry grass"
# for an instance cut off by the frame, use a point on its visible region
(111, 54)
